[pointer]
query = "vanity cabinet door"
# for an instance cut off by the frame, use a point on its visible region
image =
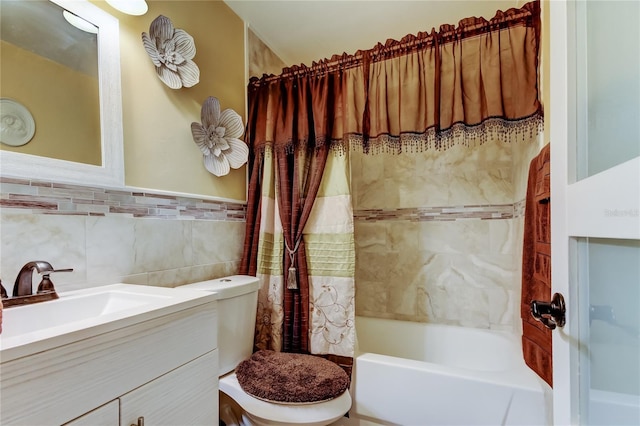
(107, 415)
(187, 395)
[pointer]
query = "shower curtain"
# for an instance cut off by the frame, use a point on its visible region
(460, 85)
(300, 221)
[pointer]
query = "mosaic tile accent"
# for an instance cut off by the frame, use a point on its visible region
(420, 214)
(41, 197)
(518, 208)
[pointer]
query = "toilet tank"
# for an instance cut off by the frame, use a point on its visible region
(237, 305)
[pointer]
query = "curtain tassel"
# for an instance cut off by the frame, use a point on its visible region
(292, 279)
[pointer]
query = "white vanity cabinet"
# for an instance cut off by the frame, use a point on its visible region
(107, 415)
(162, 367)
(185, 396)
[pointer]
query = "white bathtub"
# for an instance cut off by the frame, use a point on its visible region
(419, 374)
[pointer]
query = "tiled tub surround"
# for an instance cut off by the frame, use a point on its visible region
(459, 271)
(110, 236)
(439, 233)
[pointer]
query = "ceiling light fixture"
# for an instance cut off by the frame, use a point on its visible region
(130, 7)
(79, 23)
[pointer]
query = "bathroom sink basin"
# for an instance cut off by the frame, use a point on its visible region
(82, 313)
(67, 309)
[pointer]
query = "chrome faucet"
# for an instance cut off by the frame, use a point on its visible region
(24, 281)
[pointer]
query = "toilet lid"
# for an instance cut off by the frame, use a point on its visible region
(299, 414)
(283, 377)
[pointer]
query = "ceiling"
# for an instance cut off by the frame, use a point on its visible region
(303, 31)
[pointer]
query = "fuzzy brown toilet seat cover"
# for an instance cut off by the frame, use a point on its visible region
(291, 378)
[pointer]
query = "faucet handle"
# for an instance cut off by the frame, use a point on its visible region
(46, 285)
(58, 270)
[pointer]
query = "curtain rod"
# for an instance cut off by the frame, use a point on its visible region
(467, 27)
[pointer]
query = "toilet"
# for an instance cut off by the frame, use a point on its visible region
(237, 305)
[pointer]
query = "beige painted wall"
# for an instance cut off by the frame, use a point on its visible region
(66, 114)
(158, 147)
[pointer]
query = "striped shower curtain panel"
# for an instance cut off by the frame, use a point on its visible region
(330, 251)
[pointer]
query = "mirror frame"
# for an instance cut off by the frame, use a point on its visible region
(111, 172)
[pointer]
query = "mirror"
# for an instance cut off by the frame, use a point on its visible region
(75, 101)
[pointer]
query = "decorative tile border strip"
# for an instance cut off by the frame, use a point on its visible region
(421, 214)
(41, 197)
(518, 208)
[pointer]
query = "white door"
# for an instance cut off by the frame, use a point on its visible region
(595, 209)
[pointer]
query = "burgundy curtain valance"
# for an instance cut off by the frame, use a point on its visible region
(303, 110)
(461, 84)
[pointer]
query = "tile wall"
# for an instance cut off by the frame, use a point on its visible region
(262, 60)
(110, 236)
(439, 234)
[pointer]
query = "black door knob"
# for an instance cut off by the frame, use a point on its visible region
(551, 314)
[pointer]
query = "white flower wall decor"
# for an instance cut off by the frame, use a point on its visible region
(218, 138)
(172, 51)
